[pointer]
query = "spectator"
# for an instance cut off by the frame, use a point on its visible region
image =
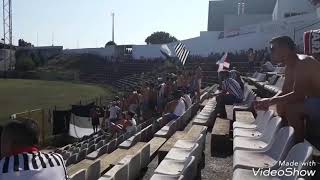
(301, 90)
(198, 81)
(119, 126)
(153, 97)
(188, 100)
(130, 124)
(175, 108)
(114, 112)
(133, 101)
(161, 96)
(21, 159)
(145, 97)
(267, 67)
(94, 115)
(231, 93)
(251, 58)
(234, 74)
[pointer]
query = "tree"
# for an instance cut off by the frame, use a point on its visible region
(160, 37)
(110, 43)
(25, 64)
(22, 43)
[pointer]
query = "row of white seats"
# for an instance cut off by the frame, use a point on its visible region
(129, 167)
(263, 144)
(182, 161)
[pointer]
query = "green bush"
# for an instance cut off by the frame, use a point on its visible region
(25, 64)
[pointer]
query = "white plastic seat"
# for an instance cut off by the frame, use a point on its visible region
(167, 130)
(145, 156)
(112, 145)
(93, 171)
(248, 143)
(301, 153)
(177, 168)
(72, 159)
(80, 175)
(255, 132)
(131, 141)
(180, 154)
(134, 165)
(262, 119)
(166, 177)
(82, 155)
(189, 144)
(266, 159)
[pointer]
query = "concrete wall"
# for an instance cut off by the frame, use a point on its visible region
(218, 9)
(146, 51)
(291, 6)
(4, 62)
(234, 21)
(104, 52)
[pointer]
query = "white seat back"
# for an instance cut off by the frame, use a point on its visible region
(301, 153)
(280, 82)
(264, 121)
(80, 175)
(282, 143)
(271, 129)
(145, 156)
(190, 170)
(93, 171)
(134, 167)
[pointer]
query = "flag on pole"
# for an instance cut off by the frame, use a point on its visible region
(182, 52)
(223, 62)
(165, 50)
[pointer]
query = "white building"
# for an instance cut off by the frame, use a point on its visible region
(289, 17)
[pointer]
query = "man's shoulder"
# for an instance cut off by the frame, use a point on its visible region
(307, 61)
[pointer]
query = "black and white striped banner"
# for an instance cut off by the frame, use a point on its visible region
(182, 52)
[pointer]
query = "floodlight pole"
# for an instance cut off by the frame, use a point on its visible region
(7, 31)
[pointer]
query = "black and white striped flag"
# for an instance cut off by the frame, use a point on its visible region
(182, 52)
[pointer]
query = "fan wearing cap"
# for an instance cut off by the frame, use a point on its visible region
(301, 89)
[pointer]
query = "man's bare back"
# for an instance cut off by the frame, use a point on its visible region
(306, 81)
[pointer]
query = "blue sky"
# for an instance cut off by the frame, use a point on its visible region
(88, 22)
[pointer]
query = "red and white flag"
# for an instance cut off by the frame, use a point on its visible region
(223, 62)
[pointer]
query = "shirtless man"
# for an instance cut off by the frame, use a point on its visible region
(301, 89)
(133, 101)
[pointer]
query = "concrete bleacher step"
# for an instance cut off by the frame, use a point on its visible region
(80, 175)
(220, 138)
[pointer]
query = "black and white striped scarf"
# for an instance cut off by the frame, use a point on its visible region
(35, 166)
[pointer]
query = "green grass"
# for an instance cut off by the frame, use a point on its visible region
(21, 95)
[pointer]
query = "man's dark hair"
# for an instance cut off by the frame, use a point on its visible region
(177, 94)
(225, 74)
(22, 132)
(284, 41)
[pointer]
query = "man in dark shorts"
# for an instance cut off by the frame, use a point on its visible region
(94, 115)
